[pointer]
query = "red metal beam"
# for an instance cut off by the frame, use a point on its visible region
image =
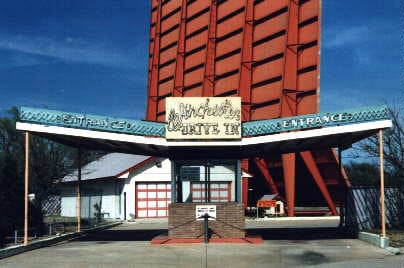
(289, 176)
(288, 105)
(244, 90)
(246, 62)
(341, 169)
(154, 75)
(180, 60)
(244, 164)
(315, 172)
(245, 191)
(262, 166)
(150, 50)
(318, 56)
(208, 89)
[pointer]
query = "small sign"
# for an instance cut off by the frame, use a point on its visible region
(266, 203)
(203, 118)
(202, 210)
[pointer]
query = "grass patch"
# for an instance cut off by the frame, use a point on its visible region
(396, 236)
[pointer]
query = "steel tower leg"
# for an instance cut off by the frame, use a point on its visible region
(262, 166)
(208, 89)
(315, 172)
(180, 60)
(289, 175)
(244, 164)
(246, 62)
(154, 70)
(288, 100)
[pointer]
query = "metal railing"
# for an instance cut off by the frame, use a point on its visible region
(52, 229)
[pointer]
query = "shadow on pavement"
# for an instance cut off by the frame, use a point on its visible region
(122, 235)
(300, 233)
(265, 233)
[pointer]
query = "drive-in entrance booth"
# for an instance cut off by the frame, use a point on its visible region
(205, 171)
(205, 184)
(267, 53)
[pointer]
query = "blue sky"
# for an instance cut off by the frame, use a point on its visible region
(91, 56)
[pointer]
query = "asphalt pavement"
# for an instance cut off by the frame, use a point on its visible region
(128, 245)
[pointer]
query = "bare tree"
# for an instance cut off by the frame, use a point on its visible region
(393, 139)
(49, 162)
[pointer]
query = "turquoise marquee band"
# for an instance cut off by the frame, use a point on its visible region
(157, 129)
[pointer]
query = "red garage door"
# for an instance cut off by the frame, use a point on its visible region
(219, 191)
(152, 199)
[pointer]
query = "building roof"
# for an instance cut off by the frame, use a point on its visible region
(268, 197)
(110, 165)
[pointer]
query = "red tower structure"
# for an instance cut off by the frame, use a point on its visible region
(265, 51)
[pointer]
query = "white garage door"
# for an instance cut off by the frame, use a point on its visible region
(219, 192)
(152, 199)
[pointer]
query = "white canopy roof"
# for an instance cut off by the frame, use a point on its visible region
(334, 136)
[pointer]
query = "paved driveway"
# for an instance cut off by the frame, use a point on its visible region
(251, 223)
(127, 246)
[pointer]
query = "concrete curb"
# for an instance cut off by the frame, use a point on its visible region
(14, 250)
(394, 251)
(375, 239)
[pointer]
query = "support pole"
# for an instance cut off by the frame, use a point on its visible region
(206, 181)
(124, 206)
(173, 182)
(78, 200)
(381, 152)
(289, 173)
(239, 183)
(208, 169)
(26, 176)
(244, 165)
(342, 208)
(206, 227)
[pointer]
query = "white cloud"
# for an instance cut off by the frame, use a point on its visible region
(70, 49)
(372, 45)
(346, 36)
(338, 98)
(363, 57)
(19, 60)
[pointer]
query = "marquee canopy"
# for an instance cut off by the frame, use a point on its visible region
(263, 137)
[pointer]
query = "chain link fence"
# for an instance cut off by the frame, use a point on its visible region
(52, 223)
(362, 209)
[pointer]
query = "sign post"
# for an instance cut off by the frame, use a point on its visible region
(200, 212)
(78, 191)
(205, 213)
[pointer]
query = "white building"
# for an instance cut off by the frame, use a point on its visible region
(124, 186)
